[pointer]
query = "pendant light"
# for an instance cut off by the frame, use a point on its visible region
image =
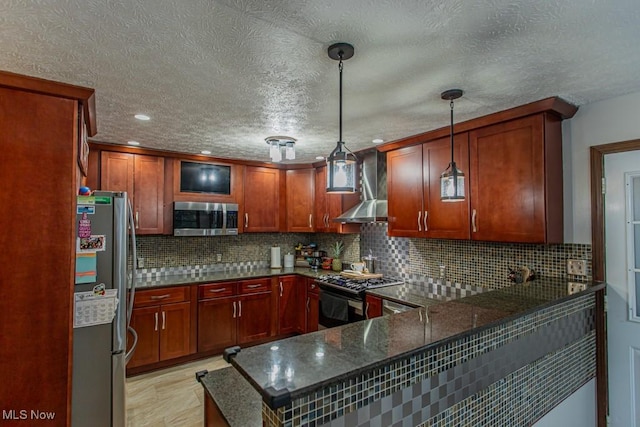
(341, 163)
(452, 179)
(278, 144)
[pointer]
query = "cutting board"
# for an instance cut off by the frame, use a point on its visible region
(362, 276)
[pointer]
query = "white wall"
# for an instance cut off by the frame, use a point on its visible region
(612, 120)
(577, 410)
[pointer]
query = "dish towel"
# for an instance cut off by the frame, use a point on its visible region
(334, 307)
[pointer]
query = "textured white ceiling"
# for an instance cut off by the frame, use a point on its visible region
(222, 75)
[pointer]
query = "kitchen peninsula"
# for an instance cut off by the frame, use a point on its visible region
(453, 363)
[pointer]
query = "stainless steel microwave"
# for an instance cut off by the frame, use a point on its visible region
(205, 219)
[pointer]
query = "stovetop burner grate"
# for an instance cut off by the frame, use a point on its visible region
(357, 285)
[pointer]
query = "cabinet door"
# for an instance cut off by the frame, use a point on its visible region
(146, 322)
(174, 330)
(445, 220)
(217, 323)
(405, 189)
(507, 181)
(261, 199)
(300, 200)
(373, 307)
(289, 304)
(116, 172)
(149, 194)
(313, 312)
(321, 212)
(254, 317)
(312, 306)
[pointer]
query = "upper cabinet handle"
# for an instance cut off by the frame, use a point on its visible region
(473, 221)
(426, 214)
(419, 222)
(246, 220)
(137, 220)
(310, 219)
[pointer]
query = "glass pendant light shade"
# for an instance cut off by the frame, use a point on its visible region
(452, 179)
(290, 151)
(341, 170)
(452, 184)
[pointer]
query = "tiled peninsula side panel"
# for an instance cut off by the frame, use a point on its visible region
(475, 263)
(171, 251)
(516, 371)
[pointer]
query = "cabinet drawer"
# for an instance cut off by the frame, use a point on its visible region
(161, 296)
(312, 287)
(254, 286)
(216, 290)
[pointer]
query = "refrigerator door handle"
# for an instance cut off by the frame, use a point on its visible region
(132, 288)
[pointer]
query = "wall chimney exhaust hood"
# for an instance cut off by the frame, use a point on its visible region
(373, 206)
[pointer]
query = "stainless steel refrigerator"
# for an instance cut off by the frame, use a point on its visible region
(99, 350)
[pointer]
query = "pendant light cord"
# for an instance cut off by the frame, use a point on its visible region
(452, 162)
(340, 68)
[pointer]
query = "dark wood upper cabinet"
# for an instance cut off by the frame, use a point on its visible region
(300, 200)
(415, 208)
(142, 177)
(329, 206)
(261, 200)
(516, 181)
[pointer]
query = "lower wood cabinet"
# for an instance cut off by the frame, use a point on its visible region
(291, 304)
(312, 306)
(163, 326)
(373, 307)
(232, 313)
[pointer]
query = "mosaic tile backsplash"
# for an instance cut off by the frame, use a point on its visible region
(483, 264)
(171, 251)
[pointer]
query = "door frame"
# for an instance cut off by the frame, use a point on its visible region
(597, 153)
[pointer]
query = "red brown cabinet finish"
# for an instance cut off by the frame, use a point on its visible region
(142, 177)
(290, 304)
(516, 181)
(300, 200)
(261, 200)
(162, 319)
(373, 306)
(415, 208)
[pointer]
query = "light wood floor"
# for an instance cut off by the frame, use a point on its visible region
(171, 397)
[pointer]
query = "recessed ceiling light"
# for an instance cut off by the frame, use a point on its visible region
(205, 152)
(133, 143)
(319, 157)
(378, 141)
(143, 117)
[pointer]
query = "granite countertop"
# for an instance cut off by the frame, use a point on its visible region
(222, 275)
(292, 367)
(237, 400)
(400, 294)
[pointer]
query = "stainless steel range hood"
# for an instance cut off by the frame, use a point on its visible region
(373, 206)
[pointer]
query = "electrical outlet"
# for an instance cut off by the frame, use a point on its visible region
(218, 257)
(575, 287)
(140, 262)
(577, 267)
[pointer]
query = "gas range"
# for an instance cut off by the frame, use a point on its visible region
(357, 287)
